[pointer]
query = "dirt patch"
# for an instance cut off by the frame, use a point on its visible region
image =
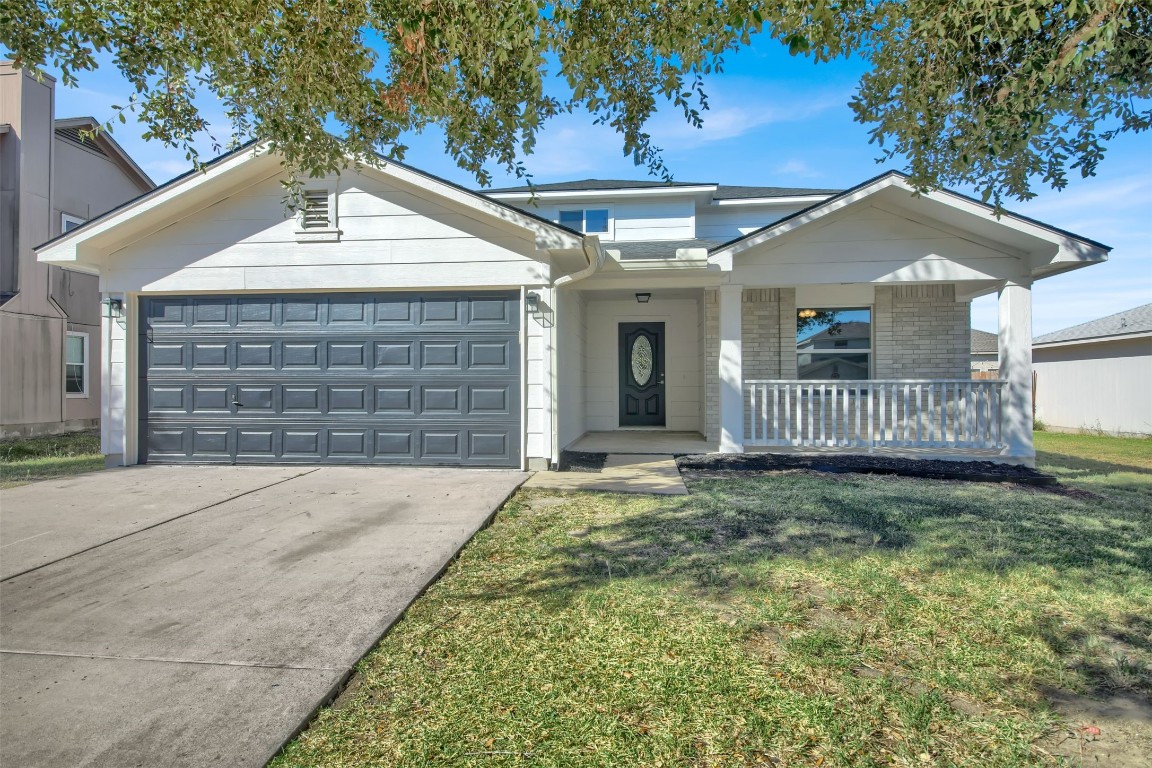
(581, 461)
(720, 465)
(1114, 730)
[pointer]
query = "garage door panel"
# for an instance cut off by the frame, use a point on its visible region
(399, 311)
(342, 378)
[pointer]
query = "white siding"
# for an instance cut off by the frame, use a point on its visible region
(724, 223)
(1102, 385)
(390, 239)
(602, 359)
(570, 376)
(866, 244)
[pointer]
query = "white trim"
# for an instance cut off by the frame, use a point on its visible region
(601, 193)
(781, 200)
(85, 392)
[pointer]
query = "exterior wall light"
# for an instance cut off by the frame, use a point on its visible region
(643, 298)
(532, 301)
(113, 308)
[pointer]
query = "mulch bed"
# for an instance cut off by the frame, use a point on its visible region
(718, 464)
(581, 461)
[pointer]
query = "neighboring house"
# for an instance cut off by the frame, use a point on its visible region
(1097, 375)
(53, 177)
(402, 319)
(985, 352)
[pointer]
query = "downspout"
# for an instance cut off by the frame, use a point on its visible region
(595, 255)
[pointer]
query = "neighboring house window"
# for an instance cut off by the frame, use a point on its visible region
(833, 343)
(68, 222)
(76, 365)
(590, 221)
(316, 218)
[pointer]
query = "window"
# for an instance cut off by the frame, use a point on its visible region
(590, 221)
(316, 216)
(834, 343)
(76, 365)
(68, 222)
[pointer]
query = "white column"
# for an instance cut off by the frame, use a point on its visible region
(731, 369)
(1016, 368)
(114, 389)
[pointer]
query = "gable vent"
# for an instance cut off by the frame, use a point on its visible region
(316, 212)
(81, 136)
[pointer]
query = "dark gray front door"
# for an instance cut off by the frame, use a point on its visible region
(641, 374)
(385, 378)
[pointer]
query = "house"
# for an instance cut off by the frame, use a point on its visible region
(1096, 375)
(55, 174)
(985, 352)
(401, 319)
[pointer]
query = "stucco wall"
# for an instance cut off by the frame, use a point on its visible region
(1103, 385)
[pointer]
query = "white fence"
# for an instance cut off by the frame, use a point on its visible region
(889, 413)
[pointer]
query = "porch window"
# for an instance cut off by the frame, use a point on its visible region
(834, 343)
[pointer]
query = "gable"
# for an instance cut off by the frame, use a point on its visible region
(866, 243)
(389, 236)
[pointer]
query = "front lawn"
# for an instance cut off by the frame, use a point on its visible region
(793, 619)
(25, 459)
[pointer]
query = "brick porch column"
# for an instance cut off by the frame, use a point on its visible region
(731, 369)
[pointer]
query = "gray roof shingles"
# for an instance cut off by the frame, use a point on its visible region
(653, 249)
(984, 343)
(1135, 320)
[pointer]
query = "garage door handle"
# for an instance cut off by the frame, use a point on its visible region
(237, 403)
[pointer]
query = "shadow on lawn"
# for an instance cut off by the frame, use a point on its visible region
(1077, 467)
(728, 526)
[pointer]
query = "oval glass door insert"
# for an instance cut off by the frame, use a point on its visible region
(641, 360)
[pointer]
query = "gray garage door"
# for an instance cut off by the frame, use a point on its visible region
(335, 378)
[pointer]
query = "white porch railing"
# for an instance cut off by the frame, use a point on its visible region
(888, 413)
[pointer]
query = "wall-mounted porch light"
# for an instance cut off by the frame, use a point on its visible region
(532, 301)
(643, 298)
(113, 308)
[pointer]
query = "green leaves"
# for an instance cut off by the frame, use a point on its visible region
(972, 92)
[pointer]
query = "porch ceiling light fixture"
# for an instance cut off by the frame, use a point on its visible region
(113, 308)
(532, 301)
(643, 298)
(806, 314)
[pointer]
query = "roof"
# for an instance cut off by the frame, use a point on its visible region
(984, 343)
(654, 249)
(724, 192)
(596, 184)
(1126, 323)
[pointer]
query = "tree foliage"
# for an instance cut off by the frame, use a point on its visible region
(984, 92)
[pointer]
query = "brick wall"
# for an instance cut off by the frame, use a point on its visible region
(921, 332)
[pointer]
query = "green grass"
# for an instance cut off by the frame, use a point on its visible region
(790, 619)
(23, 460)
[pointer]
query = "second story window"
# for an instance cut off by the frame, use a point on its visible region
(68, 222)
(590, 221)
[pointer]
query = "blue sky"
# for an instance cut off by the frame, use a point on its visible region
(783, 121)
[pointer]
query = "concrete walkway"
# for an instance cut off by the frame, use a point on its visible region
(622, 473)
(194, 616)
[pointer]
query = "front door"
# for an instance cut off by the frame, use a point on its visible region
(641, 374)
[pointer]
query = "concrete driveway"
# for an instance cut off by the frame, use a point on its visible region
(188, 616)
